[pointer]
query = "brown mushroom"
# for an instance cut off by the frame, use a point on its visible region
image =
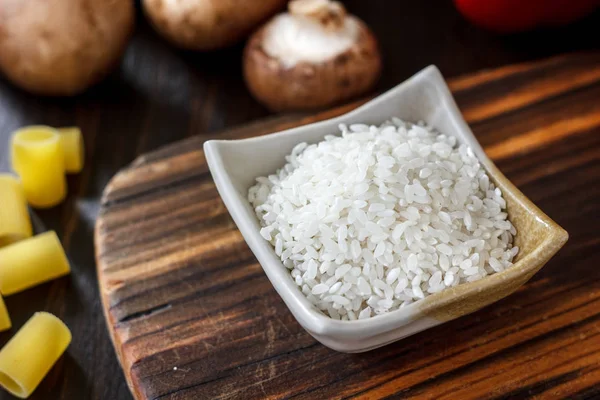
(61, 47)
(208, 24)
(313, 56)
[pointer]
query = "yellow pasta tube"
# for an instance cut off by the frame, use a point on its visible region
(15, 224)
(73, 149)
(4, 317)
(29, 355)
(38, 158)
(30, 262)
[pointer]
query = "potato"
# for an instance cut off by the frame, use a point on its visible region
(61, 47)
(208, 24)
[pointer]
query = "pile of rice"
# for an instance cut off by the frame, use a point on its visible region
(381, 217)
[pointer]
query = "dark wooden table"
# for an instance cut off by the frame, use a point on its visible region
(160, 95)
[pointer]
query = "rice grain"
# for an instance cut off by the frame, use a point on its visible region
(380, 217)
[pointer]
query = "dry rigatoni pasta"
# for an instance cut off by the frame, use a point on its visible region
(30, 262)
(72, 143)
(4, 317)
(38, 158)
(29, 355)
(15, 224)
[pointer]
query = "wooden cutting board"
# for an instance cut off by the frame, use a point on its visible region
(192, 316)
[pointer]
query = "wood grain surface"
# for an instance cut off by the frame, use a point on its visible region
(192, 315)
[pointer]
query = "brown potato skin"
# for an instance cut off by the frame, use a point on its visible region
(309, 86)
(62, 47)
(209, 24)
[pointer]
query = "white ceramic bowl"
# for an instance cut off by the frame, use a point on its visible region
(425, 96)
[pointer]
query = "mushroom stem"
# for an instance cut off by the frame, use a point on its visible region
(330, 14)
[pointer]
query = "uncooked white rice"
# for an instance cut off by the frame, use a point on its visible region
(381, 217)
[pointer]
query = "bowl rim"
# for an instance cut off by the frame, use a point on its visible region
(312, 319)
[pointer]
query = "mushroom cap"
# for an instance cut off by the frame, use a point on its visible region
(208, 24)
(59, 47)
(312, 85)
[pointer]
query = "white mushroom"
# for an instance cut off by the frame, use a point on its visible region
(313, 56)
(208, 24)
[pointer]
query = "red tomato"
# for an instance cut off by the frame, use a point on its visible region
(508, 16)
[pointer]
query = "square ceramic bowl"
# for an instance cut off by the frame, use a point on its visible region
(425, 96)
